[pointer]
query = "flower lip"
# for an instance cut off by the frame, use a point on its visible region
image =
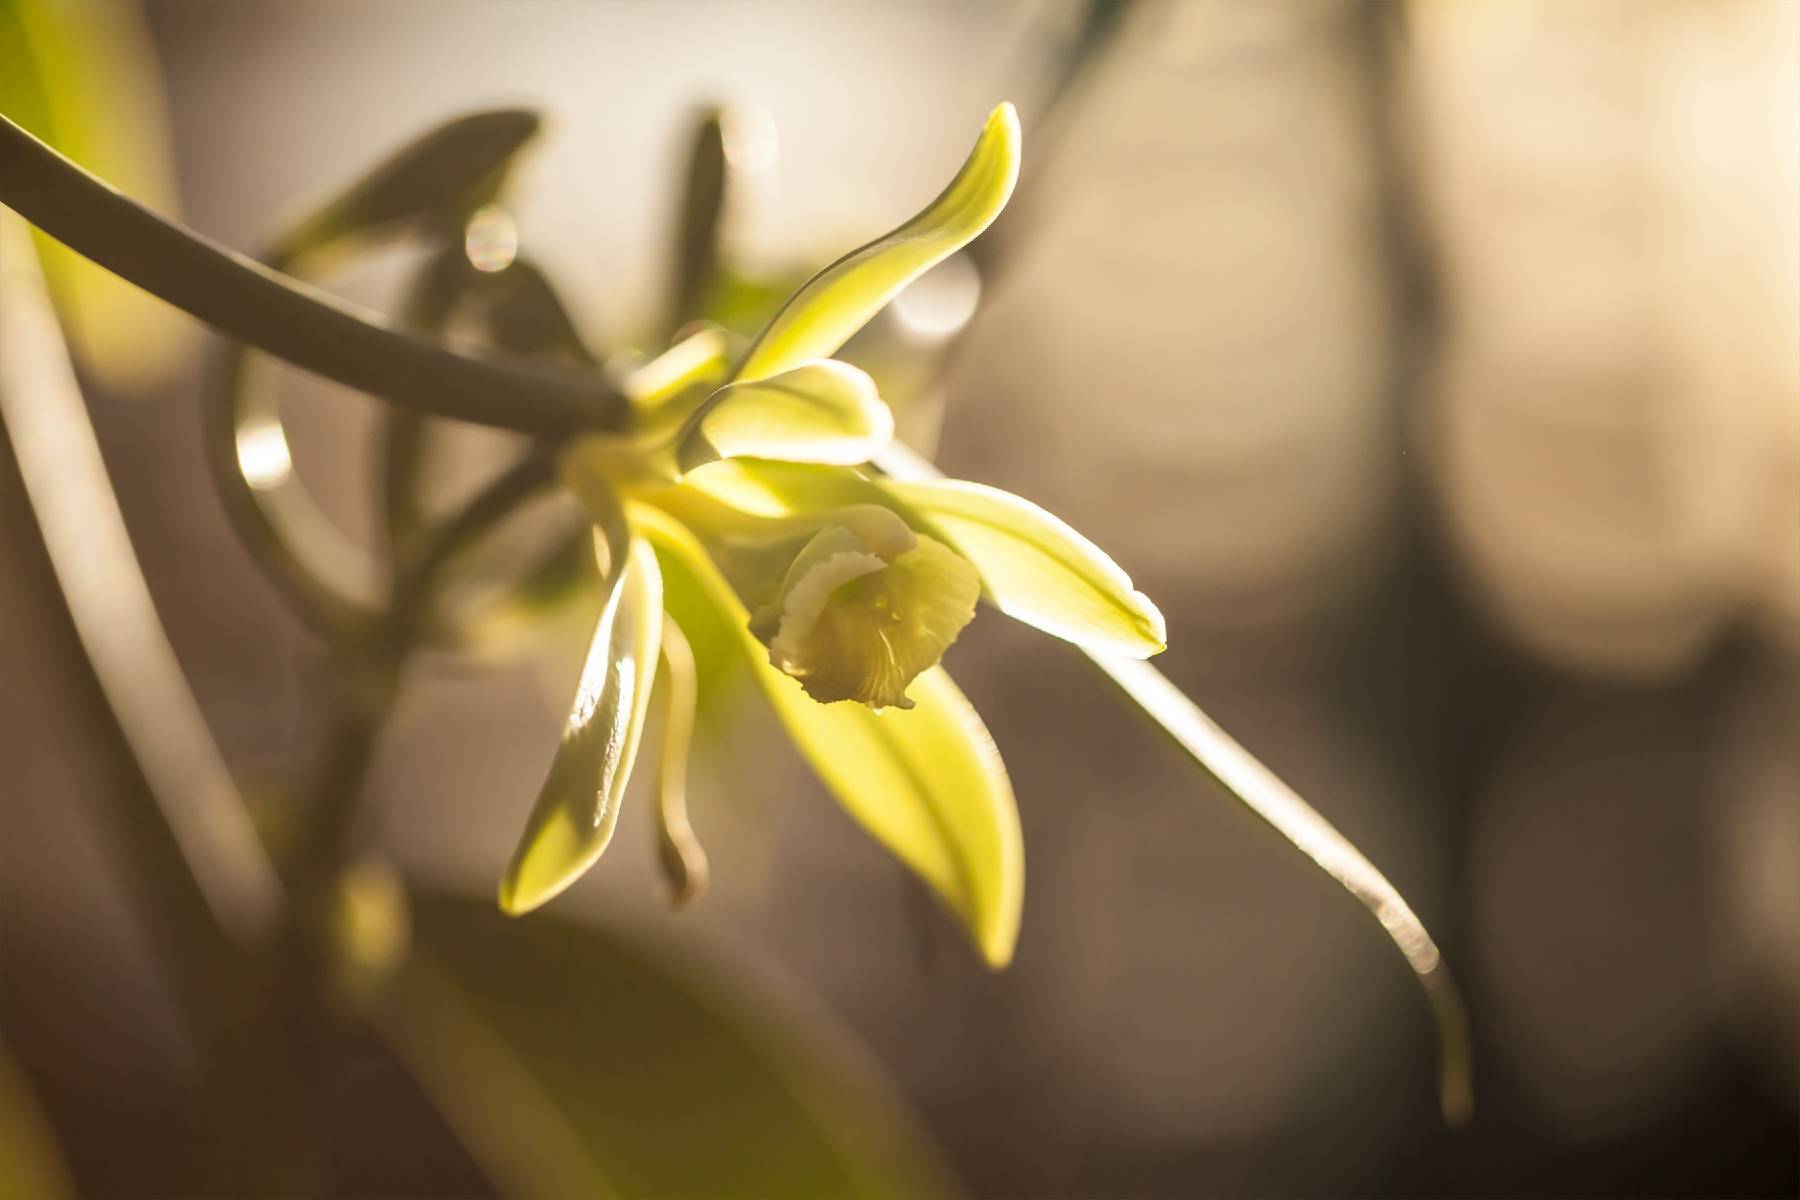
(853, 624)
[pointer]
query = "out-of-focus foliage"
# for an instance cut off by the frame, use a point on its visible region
(81, 74)
(436, 179)
(33, 1167)
(576, 1062)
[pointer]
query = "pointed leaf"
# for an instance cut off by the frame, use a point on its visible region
(1038, 570)
(578, 807)
(927, 782)
(841, 299)
(820, 412)
(696, 247)
(526, 315)
(438, 174)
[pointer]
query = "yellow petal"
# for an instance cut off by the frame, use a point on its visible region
(839, 300)
(1037, 569)
(578, 806)
(818, 412)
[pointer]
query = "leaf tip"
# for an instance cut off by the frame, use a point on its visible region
(997, 945)
(1154, 628)
(695, 451)
(1004, 122)
(543, 867)
(510, 902)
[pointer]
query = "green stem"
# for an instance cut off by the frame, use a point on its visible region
(259, 306)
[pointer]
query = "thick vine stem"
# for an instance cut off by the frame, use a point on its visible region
(253, 304)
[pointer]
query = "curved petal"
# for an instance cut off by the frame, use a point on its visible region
(578, 805)
(839, 300)
(1037, 569)
(679, 852)
(818, 412)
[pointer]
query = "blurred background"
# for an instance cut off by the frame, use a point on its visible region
(1434, 366)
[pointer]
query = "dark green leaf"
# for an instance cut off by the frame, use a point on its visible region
(440, 175)
(696, 248)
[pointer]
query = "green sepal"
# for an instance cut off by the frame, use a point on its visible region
(839, 300)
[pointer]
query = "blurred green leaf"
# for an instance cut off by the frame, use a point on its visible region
(1037, 569)
(743, 301)
(34, 1167)
(578, 806)
(696, 254)
(83, 76)
(839, 300)
(88, 545)
(575, 1061)
(926, 782)
(439, 176)
(526, 315)
(820, 412)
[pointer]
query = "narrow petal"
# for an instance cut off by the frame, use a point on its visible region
(682, 858)
(1037, 569)
(838, 301)
(578, 805)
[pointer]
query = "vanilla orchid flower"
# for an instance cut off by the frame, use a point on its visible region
(743, 498)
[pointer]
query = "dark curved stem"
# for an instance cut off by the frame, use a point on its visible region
(268, 310)
(503, 495)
